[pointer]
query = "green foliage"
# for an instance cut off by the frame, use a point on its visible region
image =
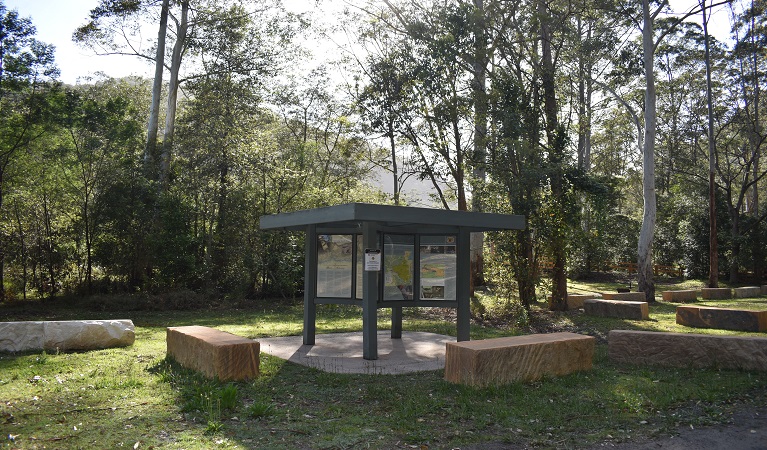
(258, 410)
(80, 211)
(605, 236)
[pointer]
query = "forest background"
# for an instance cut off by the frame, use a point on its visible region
(619, 128)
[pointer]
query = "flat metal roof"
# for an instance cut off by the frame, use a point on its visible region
(353, 214)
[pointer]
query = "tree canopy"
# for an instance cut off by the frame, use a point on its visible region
(589, 117)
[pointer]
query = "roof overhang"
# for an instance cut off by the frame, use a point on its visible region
(352, 215)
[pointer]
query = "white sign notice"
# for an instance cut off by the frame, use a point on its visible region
(372, 260)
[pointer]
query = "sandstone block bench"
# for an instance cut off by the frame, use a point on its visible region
(721, 318)
(66, 335)
(747, 292)
(687, 350)
(215, 353)
(617, 309)
(681, 296)
(625, 296)
(716, 293)
(575, 301)
(518, 358)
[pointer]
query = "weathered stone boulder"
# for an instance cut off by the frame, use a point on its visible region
(617, 309)
(625, 296)
(21, 336)
(687, 350)
(716, 293)
(681, 296)
(66, 335)
(747, 292)
(214, 353)
(518, 358)
(721, 318)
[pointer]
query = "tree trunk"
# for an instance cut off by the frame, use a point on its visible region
(525, 267)
(154, 110)
(23, 249)
(395, 170)
(646, 283)
(713, 243)
(756, 144)
(584, 136)
(170, 114)
(88, 244)
(460, 173)
(556, 152)
(49, 246)
(2, 241)
(479, 94)
(735, 235)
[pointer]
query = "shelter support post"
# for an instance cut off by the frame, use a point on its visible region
(370, 297)
(310, 285)
(462, 280)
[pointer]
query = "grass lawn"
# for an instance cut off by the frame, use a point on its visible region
(134, 398)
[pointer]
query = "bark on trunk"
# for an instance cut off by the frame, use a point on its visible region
(559, 275)
(170, 114)
(646, 283)
(150, 148)
(735, 235)
(479, 93)
(395, 171)
(713, 244)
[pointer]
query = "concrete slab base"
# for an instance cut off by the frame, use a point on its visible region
(342, 352)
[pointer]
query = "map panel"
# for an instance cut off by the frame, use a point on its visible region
(438, 268)
(398, 257)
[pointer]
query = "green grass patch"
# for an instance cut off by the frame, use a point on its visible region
(135, 398)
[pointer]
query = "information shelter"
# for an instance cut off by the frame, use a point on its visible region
(380, 256)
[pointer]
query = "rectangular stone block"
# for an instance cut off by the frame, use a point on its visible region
(764, 289)
(625, 296)
(21, 336)
(617, 309)
(575, 301)
(687, 295)
(687, 350)
(215, 353)
(716, 293)
(747, 292)
(721, 318)
(518, 358)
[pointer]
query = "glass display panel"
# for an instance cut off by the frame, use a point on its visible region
(334, 265)
(438, 267)
(398, 267)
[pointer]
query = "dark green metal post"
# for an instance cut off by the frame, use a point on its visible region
(369, 297)
(462, 280)
(310, 285)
